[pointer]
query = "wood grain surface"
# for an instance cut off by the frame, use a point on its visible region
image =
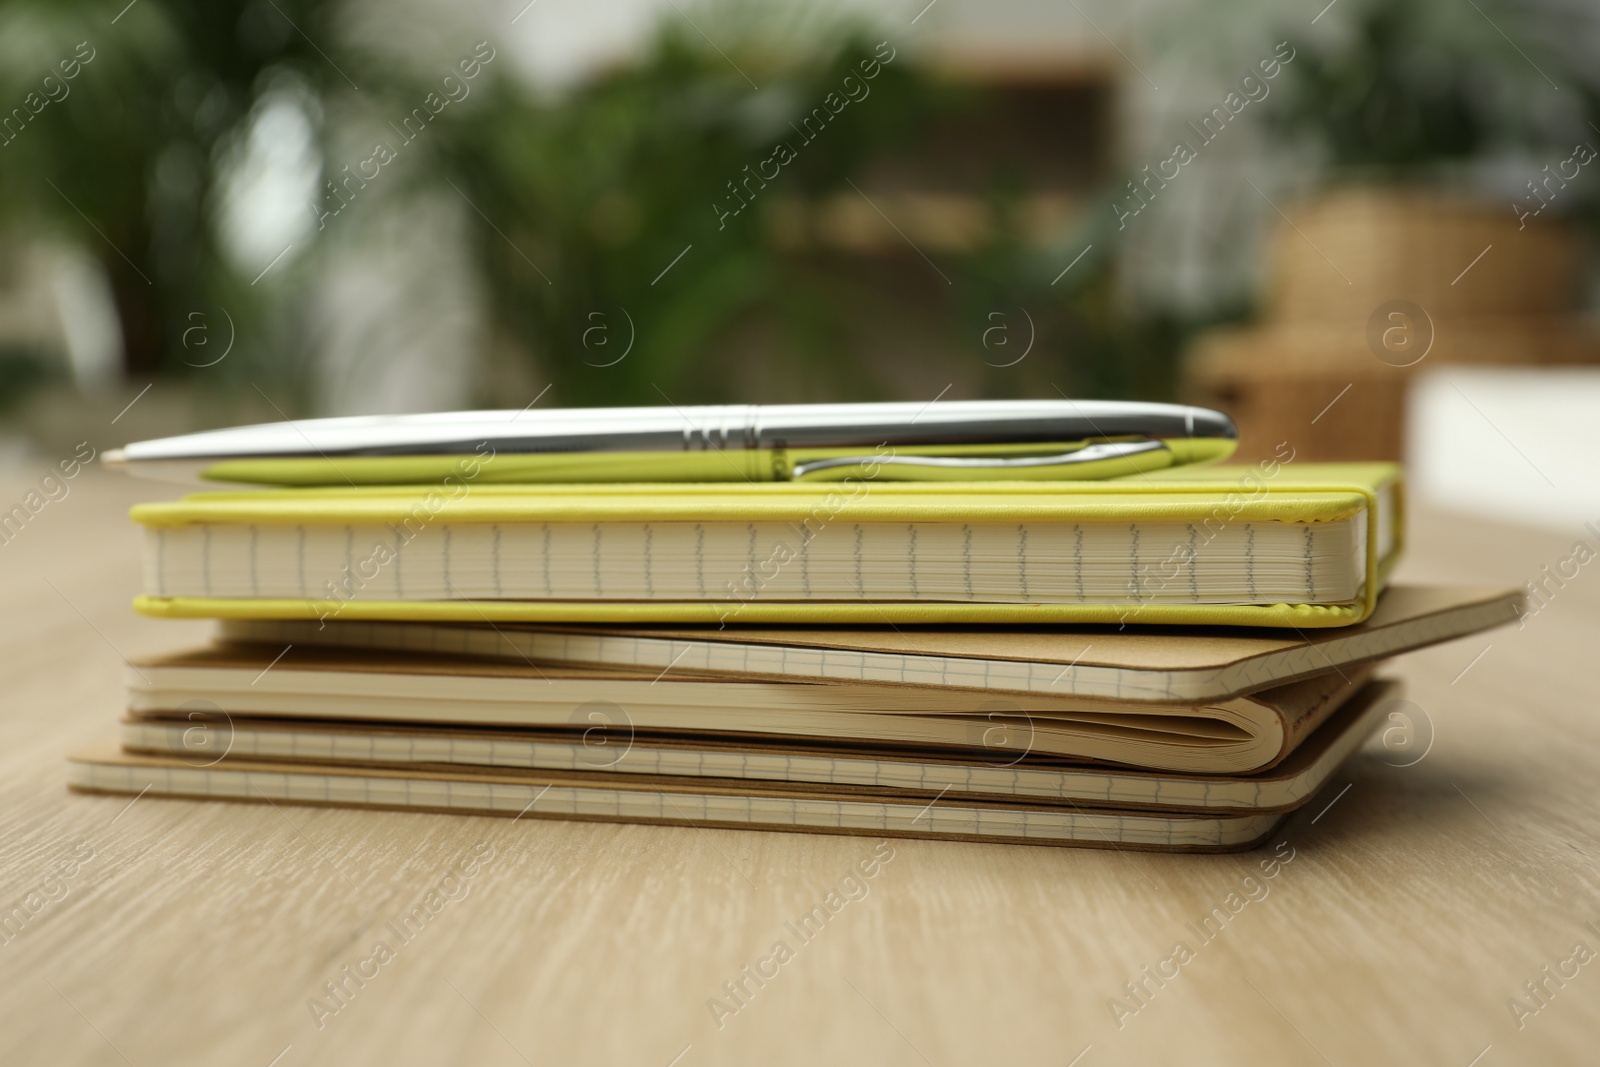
(1407, 907)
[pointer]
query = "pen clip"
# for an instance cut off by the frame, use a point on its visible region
(987, 465)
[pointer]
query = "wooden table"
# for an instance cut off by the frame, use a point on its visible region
(1417, 902)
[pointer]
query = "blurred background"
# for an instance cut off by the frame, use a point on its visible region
(1367, 229)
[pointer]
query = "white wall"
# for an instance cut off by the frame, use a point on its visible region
(1520, 445)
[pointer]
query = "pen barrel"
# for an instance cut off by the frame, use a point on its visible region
(746, 442)
(720, 428)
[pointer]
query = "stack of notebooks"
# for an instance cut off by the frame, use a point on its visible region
(1171, 661)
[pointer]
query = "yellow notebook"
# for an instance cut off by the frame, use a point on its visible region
(1304, 545)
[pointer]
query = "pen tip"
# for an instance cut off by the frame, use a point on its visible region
(114, 457)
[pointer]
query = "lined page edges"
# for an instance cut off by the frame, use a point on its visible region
(1113, 786)
(846, 664)
(911, 816)
(1052, 563)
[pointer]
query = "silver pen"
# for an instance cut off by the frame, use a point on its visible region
(942, 441)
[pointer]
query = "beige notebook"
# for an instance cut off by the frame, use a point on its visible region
(1160, 665)
(1231, 736)
(612, 749)
(677, 801)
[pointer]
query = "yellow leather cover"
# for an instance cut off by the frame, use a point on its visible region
(1297, 492)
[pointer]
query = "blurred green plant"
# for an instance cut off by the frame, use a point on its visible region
(609, 229)
(21, 370)
(130, 160)
(600, 218)
(605, 199)
(1473, 97)
(1413, 88)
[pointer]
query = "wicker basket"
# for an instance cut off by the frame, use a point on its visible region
(1475, 287)
(1348, 252)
